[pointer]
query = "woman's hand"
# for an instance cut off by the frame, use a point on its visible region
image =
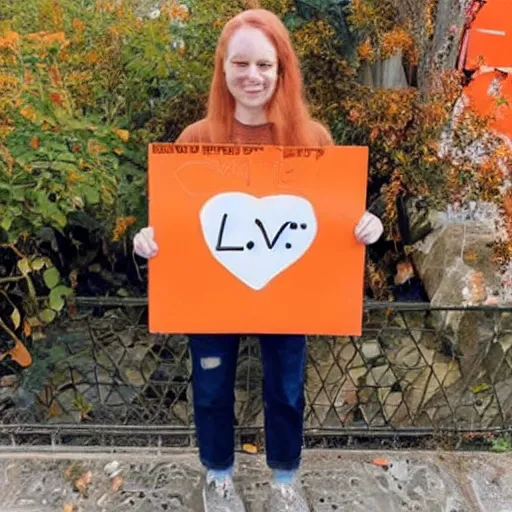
(144, 243)
(369, 229)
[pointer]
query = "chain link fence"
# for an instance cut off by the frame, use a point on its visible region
(416, 372)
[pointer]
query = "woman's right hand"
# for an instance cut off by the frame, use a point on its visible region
(144, 243)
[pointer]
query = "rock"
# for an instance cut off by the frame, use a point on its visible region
(112, 469)
(356, 374)
(455, 263)
(370, 350)
(381, 377)
(9, 381)
(331, 391)
(8, 388)
(391, 404)
(347, 353)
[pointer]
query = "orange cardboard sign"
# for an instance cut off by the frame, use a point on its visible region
(485, 102)
(256, 239)
(490, 36)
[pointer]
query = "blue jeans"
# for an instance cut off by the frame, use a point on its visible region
(214, 363)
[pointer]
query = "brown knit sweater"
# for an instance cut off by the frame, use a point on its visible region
(245, 134)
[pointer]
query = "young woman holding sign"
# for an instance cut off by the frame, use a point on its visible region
(256, 97)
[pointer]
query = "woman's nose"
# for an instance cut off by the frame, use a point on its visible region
(253, 71)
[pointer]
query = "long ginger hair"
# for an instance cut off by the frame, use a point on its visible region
(287, 109)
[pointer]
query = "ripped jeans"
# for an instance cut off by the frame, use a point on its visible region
(214, 363)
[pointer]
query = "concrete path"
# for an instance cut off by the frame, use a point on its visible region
(348, 481)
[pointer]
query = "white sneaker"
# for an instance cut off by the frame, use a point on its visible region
(286, 498)
(221, 496)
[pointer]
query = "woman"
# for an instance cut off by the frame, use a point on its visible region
(256, 97)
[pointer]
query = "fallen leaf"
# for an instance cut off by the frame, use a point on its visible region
(55, 410)
(27, 328)
(82, 483)
(68, 507)
(380, 462)
(19, 354)
(470, 256)
(117, 482)
(250, 448)
(73, 471)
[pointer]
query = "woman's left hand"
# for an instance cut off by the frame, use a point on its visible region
(369, 229)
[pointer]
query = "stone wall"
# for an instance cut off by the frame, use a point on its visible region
(427, 369)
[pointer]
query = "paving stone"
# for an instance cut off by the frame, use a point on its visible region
(334, 480)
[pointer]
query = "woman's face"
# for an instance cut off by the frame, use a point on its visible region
(251, 68)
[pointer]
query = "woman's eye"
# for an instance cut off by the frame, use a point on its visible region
(265, 65)
(240, 64)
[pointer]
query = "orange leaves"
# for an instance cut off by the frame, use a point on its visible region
(366, 51)
(56, 98)
(313, 37)
(362, 14)
(122, 224)
(19, 354)
(54, 74)
(404, 272)
(354, 115)
(385, 35)
(507, 203)
(391, 192)
(10, 40)
(124, 135)
(34, 142)
(92, 57)
(28, 113)
(177, 11)
(73, 178)
(381, 462)
(42, 42)
(399, 39)
(95, 148)
(47, 38)
(78, 25)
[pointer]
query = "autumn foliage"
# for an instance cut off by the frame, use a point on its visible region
(85, 85)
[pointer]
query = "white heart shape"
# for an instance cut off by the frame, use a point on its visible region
(257, 238)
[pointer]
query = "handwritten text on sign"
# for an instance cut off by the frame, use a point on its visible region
(256, 239)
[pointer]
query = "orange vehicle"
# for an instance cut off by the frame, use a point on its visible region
(486, 53)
